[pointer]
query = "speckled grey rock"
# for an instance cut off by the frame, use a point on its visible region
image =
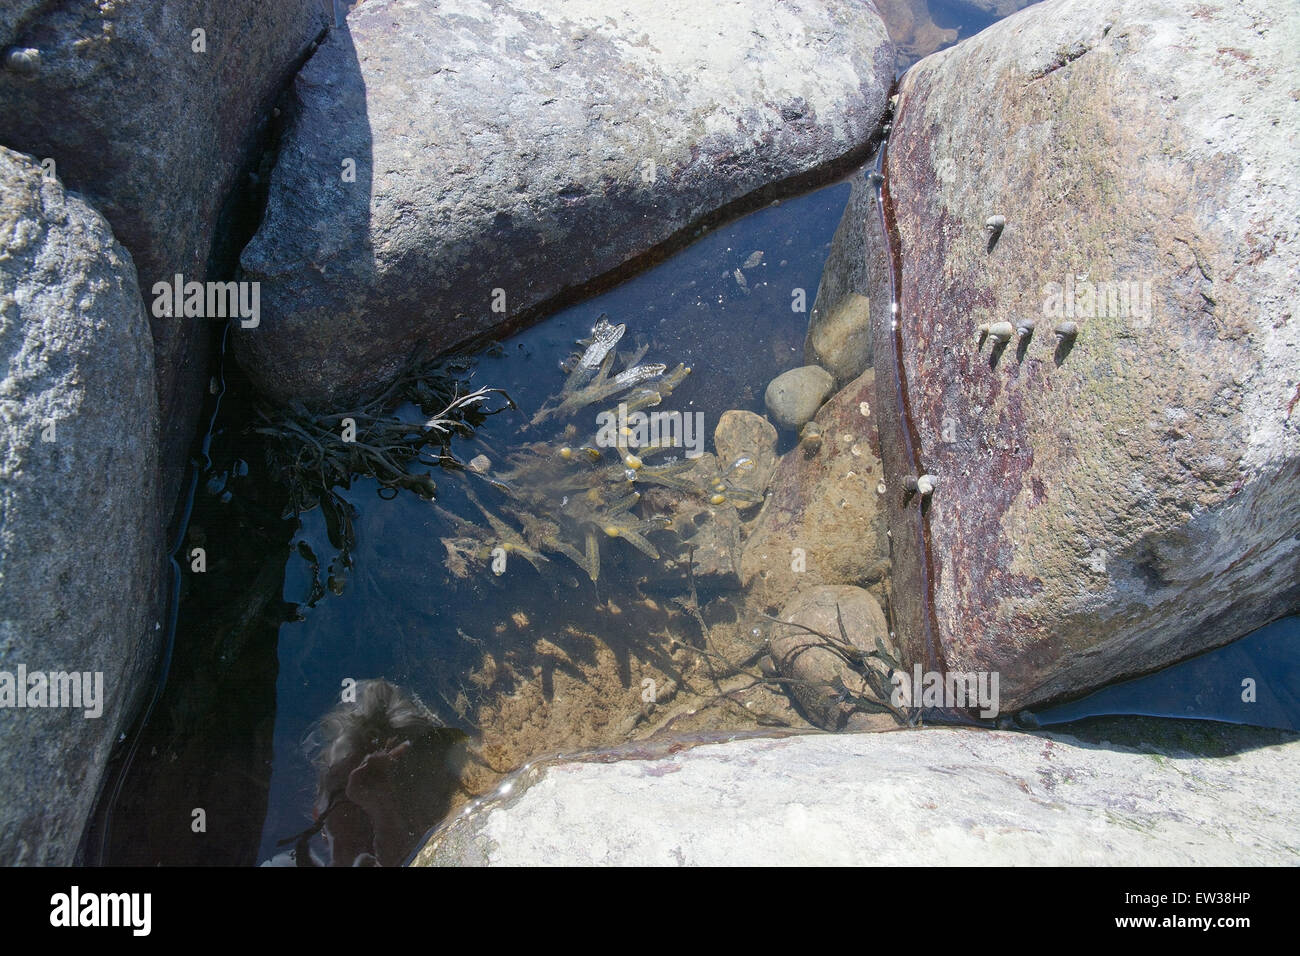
(793, 397)
(154, 134)
(530, 147)
(1117, 500)
(933, 797)
(79, 538)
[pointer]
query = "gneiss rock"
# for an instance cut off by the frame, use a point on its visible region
(940, 796)
(150, 109)
(80, 540)
(451, 171)
(1118, 492)
(793, 397)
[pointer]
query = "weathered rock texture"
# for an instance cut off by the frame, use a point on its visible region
(824, 520)
(79, 523)
(914, 798)
(1115, 501)
(531, 147)
(155, 135)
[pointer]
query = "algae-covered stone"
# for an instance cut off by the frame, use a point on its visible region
(707, 531)
(831, 688)
(746, 447)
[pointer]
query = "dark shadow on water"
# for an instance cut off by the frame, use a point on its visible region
(1255, 680)
(1170, 737)
(196, 789)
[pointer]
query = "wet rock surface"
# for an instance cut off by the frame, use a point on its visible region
(746, 449)
(448, 172)
(839, 326)
(839, 337)
(154, 125)
(824, 520)
(1153, 795)
(79, 534)
(1122, 496)
(707, 532)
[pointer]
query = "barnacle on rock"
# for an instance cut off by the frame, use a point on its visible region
(23, 60)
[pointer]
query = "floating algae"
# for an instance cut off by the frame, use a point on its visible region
(312, 451)
(561, 496)
(589, 382)
(564, 496)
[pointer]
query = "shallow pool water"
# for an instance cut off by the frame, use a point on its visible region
(492, 653)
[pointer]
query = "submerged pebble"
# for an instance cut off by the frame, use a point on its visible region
(794, 397)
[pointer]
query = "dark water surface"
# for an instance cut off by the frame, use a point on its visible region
(1254, 680)
(403, 617)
